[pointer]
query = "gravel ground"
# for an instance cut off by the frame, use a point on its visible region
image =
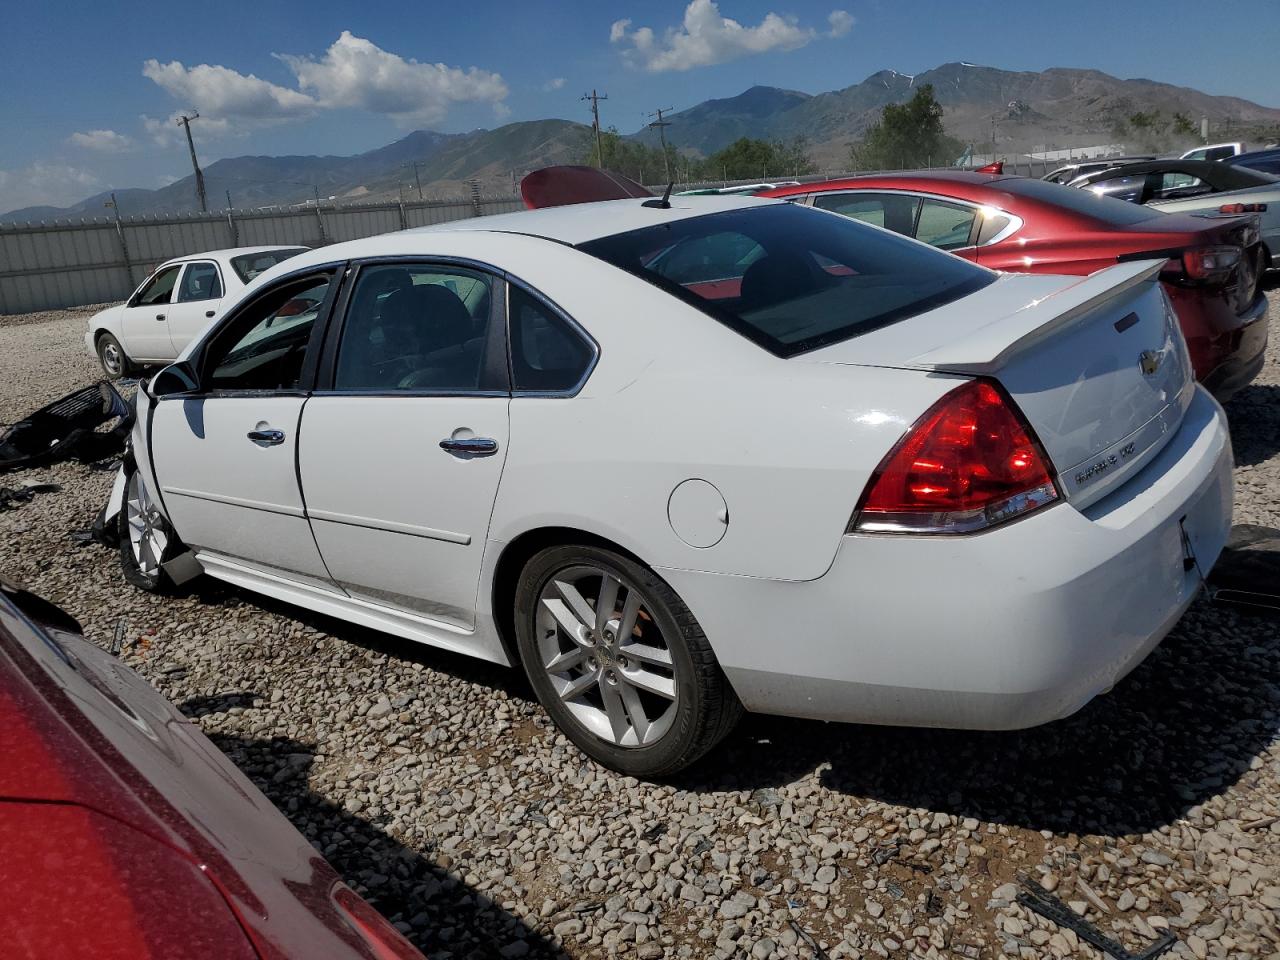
(438, 788)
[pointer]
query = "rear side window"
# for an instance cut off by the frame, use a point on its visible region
(547, 354)
(200, 282)
(946, 226)
(249, 265)
(891, 211)
(815, 280)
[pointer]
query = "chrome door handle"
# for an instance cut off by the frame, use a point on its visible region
(266, 438)
(472, 446)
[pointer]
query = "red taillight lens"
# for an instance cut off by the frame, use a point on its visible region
(1243, 208)
(383, 940)
(1210, 263)
(969, 463)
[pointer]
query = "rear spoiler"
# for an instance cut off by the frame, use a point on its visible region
(991, 346)
(559, 186)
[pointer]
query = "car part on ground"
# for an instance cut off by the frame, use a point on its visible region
(830, 340)
(69, 427)
(16, 495)
(1024, 225)
(1248, 572)
(1037, 898)
(125, 833)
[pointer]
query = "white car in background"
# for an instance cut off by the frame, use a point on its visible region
(680, 459)
(178, 300)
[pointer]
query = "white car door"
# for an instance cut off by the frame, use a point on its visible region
(404, 441)
(199, 295)
(225, 455)
(144, 320)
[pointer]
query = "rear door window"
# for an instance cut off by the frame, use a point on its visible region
(947, 226)
(200, 281)
(896, 212)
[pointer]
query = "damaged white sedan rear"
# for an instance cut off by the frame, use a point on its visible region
(680, 460)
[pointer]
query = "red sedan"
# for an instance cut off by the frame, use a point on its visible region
(126, 835)
(1213, 276)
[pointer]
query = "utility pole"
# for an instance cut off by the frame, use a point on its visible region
(416, 179)
(662, 135)
(595, 99)
(185, 122)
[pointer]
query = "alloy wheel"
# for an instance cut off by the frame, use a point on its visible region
(605, 655)
(148, 531)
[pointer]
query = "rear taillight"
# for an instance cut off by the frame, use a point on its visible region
(1210, 263)
(1243, 208)
(969, 463)
(384, 941)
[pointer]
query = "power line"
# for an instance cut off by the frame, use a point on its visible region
(595, 99)
(185, 122)
(662, 135)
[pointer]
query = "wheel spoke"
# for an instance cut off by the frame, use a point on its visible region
(565, 618)
(630, 611)
(566, 661)
(577, 603)
(607, 601)
(654, 683)
(579, 685)
(646, 653)
(635, 710)
(614, 709)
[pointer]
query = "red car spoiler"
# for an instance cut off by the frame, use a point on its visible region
(560, 186)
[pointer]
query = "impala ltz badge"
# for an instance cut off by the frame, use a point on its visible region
(1149, 361)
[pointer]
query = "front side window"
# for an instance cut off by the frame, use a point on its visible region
(263, 348)
(896, 212)
(415, 327)
(159, 289)
(200, 282)
(946, 226)
(547, 354)
(816, 279)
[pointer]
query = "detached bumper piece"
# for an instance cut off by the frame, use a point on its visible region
(1247, 574)
(1037, 898)
(69, 428)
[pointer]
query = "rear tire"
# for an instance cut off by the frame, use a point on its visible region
(636, 687)
(147, 541)
(115, 362)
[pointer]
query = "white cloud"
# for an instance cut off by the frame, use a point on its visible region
(357, 73)
(45, 184)
(501, 111)
(223, 94)
(705, 37)
(841, 23)
(555, 83)
(167, 132)
(104, 141)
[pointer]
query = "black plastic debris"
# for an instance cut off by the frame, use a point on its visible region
(12, 497)
(1247, 574)
(1037, 898)
(69, 428)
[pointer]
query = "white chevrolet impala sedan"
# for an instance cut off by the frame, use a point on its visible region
(677, 461)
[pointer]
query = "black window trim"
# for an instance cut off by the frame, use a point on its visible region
(199, 356)
(187, 264)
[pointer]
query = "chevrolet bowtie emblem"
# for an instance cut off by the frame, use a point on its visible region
(1149, 361)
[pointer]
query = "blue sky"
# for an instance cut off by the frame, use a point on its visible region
(90, 88)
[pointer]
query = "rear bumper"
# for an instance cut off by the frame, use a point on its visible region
(1227, 349)
(1012, 628)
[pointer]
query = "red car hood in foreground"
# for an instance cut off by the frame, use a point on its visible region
(126, 835)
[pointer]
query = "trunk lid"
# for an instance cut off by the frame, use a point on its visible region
(1096, 364)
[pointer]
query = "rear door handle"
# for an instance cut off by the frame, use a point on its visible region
(471, 446)
(210, 313)
(159, 316)
(266, 438)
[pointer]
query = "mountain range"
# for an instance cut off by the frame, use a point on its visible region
(1058, 107)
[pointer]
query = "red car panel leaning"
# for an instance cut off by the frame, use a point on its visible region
(1213, 274)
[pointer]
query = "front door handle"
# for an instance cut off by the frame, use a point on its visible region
(266, 438)
(470, 446)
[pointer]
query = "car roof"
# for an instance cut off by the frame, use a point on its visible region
(581, 222)
(1220, 176)
(229, 252)
(903, 180)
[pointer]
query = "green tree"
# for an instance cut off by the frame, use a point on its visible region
(907, 135)
(631, 158)
(750, 159)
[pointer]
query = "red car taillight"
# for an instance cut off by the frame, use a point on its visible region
(1210, 263)
(383, 940)
(969, 463)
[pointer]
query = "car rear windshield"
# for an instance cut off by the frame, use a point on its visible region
(1118, 213)
(249, 265)
(790, 278)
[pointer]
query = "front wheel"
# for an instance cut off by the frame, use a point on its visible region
(147, 541)
(115, 362)
(620, 662)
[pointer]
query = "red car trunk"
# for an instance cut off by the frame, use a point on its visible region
(1060, 230)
